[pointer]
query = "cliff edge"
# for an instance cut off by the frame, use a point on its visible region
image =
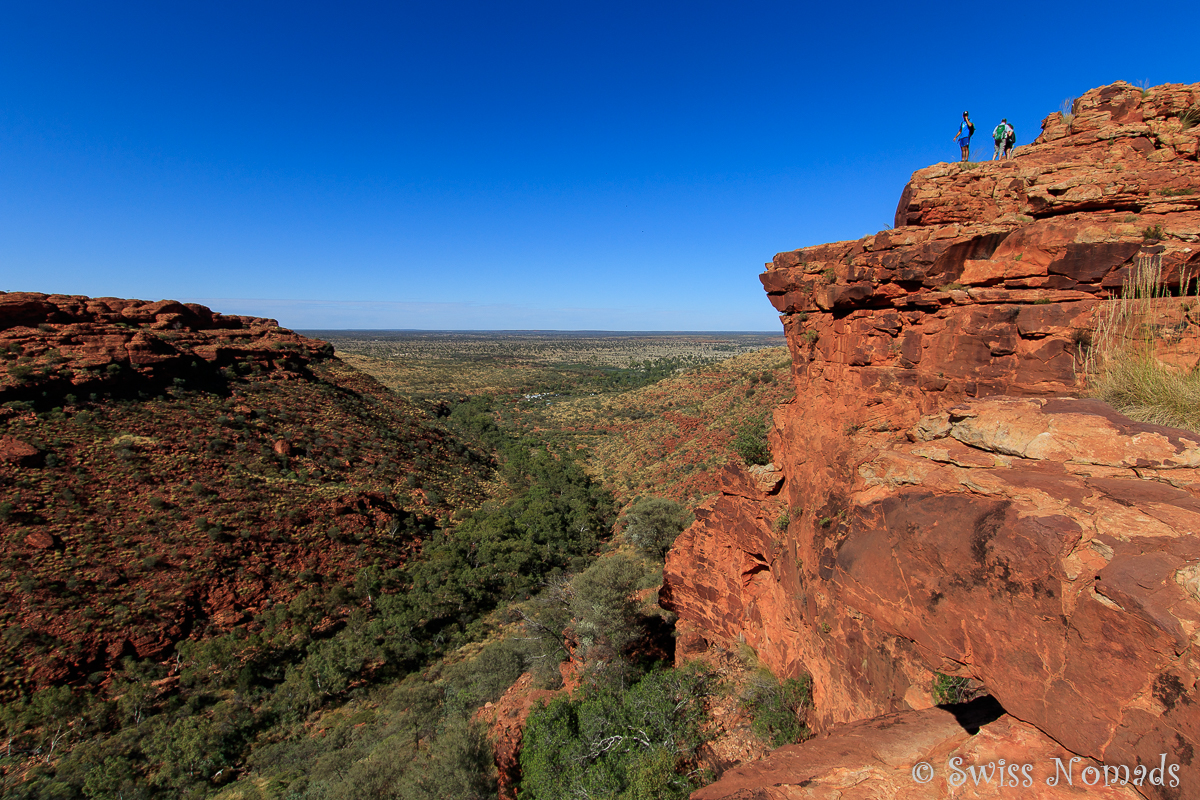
(949, 503)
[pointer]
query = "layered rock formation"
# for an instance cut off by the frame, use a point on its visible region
(53, 345)
(951, 506)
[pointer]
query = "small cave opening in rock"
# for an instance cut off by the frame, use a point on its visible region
(974, 714)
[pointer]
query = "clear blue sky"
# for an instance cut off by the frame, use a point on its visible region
(622, 166)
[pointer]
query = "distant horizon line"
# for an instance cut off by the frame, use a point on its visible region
(779, 334)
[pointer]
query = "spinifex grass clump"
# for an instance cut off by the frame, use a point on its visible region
(1122, 364)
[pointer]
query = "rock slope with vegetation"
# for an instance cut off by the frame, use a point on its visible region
(238, 568)
(217, 533)
(168, 471)
(955, 503)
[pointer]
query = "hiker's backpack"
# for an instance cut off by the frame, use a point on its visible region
(971, 127)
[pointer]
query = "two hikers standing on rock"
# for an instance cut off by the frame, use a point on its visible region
(1005, 137)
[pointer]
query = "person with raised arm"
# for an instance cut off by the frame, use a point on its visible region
(963, 136)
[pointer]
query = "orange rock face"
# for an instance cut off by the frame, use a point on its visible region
(949, 505)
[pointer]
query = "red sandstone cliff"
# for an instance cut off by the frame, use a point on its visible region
(952, 505)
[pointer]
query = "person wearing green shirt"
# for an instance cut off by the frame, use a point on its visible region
(998, 136)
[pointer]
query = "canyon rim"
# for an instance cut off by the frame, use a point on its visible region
(954, 501)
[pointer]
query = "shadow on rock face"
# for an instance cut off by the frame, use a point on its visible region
(975, 714)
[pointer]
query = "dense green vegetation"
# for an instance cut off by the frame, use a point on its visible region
(626, 744)
(246, 695)
(365, 684)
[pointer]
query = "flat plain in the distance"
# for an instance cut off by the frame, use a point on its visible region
(442, 365)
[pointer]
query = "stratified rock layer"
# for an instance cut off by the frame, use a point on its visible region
(53, 345)
(950, 506)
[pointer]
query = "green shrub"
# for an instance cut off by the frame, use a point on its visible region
(776, 708)
(114, 779)
(484, 678)
(545, 619)
(614, 743)
(603, 607)
(949, 689)
(655, 775)
(653, 523)
(191, 750)
(750, 442)
(459, 763)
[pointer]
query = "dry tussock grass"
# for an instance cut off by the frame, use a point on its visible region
(1122, 363)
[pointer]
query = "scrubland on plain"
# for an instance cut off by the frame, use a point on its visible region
(445, 364)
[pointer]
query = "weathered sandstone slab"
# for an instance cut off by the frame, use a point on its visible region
(925, 755)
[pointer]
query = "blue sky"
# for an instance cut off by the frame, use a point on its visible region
(620, 166)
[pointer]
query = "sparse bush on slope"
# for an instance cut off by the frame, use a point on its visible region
(653, 523)
(776, 707)
(265, 680)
